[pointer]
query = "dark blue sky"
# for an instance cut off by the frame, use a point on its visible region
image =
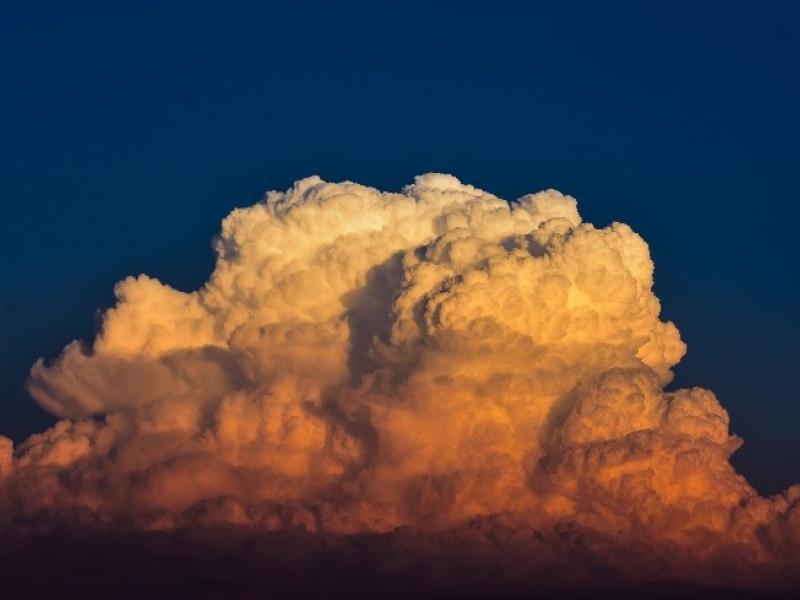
(128, 132)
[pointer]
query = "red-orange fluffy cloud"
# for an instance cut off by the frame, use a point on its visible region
(438, 360)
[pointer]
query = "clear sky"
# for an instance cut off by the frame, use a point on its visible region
(128, 131)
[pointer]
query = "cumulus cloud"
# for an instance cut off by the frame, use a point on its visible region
(438, 360)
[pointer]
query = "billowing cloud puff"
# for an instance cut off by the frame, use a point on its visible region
(363, 362)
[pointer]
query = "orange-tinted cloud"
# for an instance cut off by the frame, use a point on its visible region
(361, 361)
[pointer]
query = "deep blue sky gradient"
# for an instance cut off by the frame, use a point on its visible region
(128, 130)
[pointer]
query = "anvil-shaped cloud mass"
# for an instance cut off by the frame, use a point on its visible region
(438, 359)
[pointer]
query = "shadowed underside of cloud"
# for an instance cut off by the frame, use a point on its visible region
(486, 558)
(436, 385)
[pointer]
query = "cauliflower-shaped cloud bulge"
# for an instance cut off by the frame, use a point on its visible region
(361, 360)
